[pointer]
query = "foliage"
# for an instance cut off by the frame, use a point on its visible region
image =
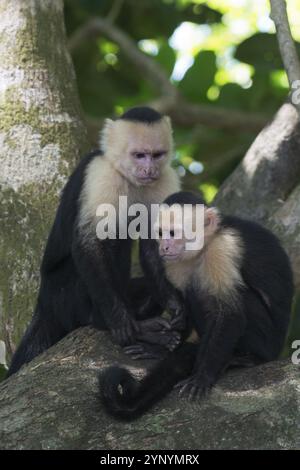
(232, 65)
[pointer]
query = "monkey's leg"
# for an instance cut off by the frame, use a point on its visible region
(101, 270)
(142, 301)
(222, 331)
(242, 361)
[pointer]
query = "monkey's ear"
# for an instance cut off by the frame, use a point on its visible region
(211, 220)
(106, 133)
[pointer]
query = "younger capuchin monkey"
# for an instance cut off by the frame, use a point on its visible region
(86, 280)
(237, 291)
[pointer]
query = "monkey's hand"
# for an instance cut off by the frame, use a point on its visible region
(159, 331)
(149, 309)
(126, 330)
(195, 387)
(154, 340)
(145, 351)
(178, 314)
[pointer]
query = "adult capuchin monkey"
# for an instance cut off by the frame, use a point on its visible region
(237, 290)
(85, 280)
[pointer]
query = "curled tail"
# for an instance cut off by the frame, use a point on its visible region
(126, 398)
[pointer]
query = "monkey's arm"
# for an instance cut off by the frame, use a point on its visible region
(96, 266)
(162, 290)
(220, 326)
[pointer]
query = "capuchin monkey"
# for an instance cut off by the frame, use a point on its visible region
(85, 280)
(237, 290)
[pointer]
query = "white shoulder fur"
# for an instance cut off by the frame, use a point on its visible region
(219, 270)
(216, 271)
(102, 184)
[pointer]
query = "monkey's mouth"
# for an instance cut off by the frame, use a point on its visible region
(170, 257)
(147, 179)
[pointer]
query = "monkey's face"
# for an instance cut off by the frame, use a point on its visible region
(180, 236)
(172, 238)
(139, 151)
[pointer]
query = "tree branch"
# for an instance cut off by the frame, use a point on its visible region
(115, 10)
(187, 114)
(265, 185)
(148, 67)
(170, 101)
(286, 43)
(53, 403)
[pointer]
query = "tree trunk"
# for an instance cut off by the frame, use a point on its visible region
(266, 185)
(53, 404)
(41, 136)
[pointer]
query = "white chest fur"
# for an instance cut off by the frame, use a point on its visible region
(104, 185)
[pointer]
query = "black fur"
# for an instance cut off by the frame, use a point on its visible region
(142, 114)
(137, 397)
(63, 303)
(79, 285)
(248, 331)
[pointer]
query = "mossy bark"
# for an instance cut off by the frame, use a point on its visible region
(42, 135)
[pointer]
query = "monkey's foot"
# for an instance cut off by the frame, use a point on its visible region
(155, 324)
(194, 387)
(145, 351)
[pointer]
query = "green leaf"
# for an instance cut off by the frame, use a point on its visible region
(146, 19)
(261, 51)
(199, 78)
(232, 95)
(166, 57)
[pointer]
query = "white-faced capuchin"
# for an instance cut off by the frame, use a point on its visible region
(85, 280)
(237, 292)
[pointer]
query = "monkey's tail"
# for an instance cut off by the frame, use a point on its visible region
(35, 341)
(126, 398)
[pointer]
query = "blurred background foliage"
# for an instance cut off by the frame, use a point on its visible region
(221, 53)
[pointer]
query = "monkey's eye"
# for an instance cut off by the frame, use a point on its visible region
(139, 155)
(172, 233)
(160, 232)
(158, 154)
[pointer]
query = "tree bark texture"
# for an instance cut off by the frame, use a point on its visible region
(41, 137)
(265, 187)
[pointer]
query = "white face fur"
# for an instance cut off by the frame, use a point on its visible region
(138, 151)
(172, 241)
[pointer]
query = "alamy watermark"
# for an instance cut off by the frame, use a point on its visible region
(295, 358)
(295, 94)
(157, 221)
